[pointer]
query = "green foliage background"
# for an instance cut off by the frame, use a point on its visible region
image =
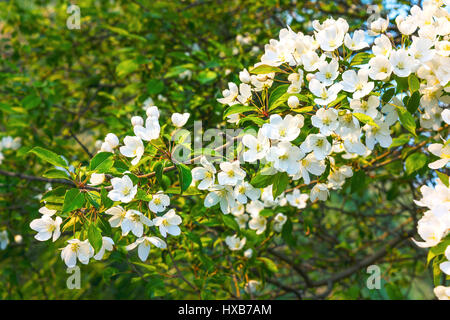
(58, 86)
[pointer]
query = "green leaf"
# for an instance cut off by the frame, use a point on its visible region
(393, 291)
(303, 109)
(413, 83)
(95, 237)
(280, 183)
(93, 197)
(73, 200)
(230, 222)
(107, 202)
(256, 120)
(56, 174)
(277, 93)
(278, 96)
(206, 76)
(444, 178)
(155, 86)
(413, 102)
(238, 108)
(387, 96)
(125, 33)
(6, 108)
(185, 176)
(400, 140)
(415, 162)
(56, 195)
(358, 181)
(364, 118)
(407, 120)
(440, 248)
(177, 70)
(286, 233)
(126, 67)
(158, 168)
(402, 84)
(361, 58)
(149, 267)
(269, 264)
(263, 69)
(49, 156)
(101, 162)
(283, 98)
(262, 180)
(31, 101)
(436, 272)
(338, 99)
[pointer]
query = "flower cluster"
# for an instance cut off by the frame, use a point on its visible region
(122, 192)
(434, 226)
(341, 104)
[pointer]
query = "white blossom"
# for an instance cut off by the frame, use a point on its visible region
(76, 249)
(235, 243)
(159, 202)
(107, 245)
(168, 223)
(46, 228)
(297, 199)
(133, 148)
(134, 221)
(179, 119)
(123, 189)
(205, 174)
(231, 173)
(144, 244)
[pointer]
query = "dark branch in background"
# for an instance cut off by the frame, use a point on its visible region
(309, 283)
(81, 144)
(34, 178)
(42, 179)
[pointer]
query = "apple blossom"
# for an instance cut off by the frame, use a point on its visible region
(318, 144)
(168, 223)
(76, 249)
(297, 199)
(118, 214)
(179, 119)
(46, 228)
(204, 174)
(235, 243)
(123, 189)
(96, 179)
(144, 244)
(257, 146)
(159, 202)
(133, 148)
(231, 173)
(107, 245)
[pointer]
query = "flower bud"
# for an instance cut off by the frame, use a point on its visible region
(153, 112)
(18, 238)
(310, 76)
(137, 121)
(112, 140)
(244, 76)
(106, 147)
(96, 179)
(293, 102)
